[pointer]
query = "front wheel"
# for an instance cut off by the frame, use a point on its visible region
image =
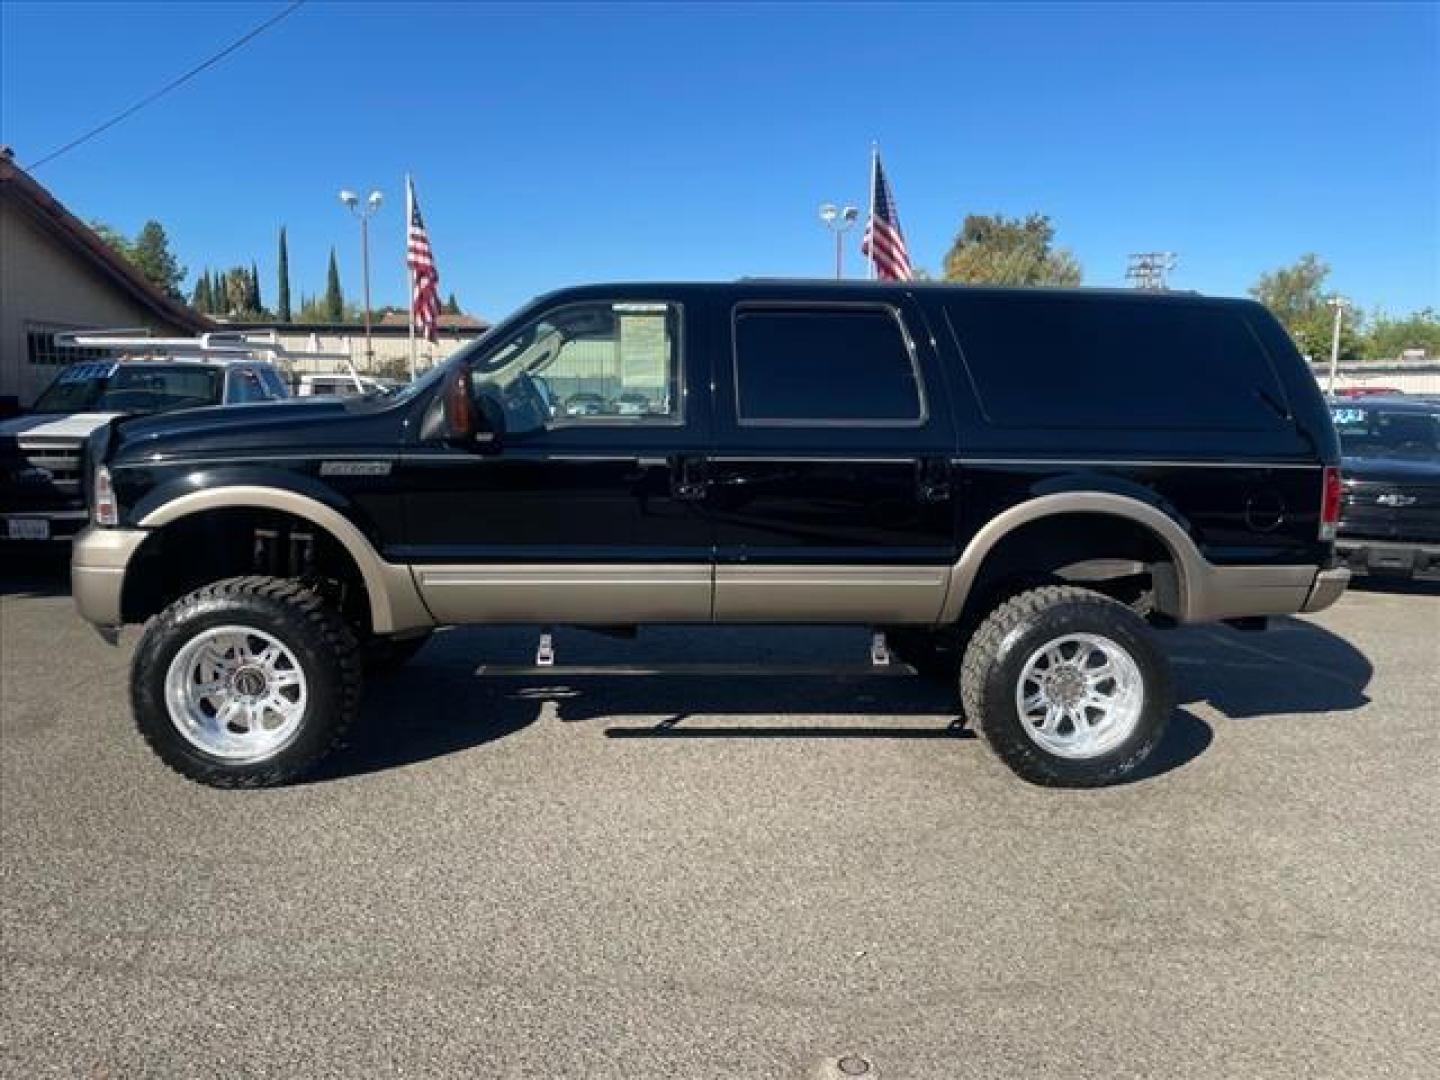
(247, 682)
(1068, 686)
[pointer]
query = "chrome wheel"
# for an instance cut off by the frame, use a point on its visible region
(236, 693)
(1080, 696)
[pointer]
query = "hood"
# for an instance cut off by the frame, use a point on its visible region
(76, 426)
(228, 429)
(1377, 469)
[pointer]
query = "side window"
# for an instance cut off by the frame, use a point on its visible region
(244, 387)
(595, 362)
(1090, 364)
(274, 385)
(799, 366)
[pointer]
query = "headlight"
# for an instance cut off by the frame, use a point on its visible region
(105, 510)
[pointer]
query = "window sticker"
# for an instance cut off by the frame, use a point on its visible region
(86, 372)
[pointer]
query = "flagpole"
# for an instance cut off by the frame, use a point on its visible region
(410, 284)
(870, 222)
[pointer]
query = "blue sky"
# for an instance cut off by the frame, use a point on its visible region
(563, 143)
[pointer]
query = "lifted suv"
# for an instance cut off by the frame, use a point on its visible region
(1011, 485)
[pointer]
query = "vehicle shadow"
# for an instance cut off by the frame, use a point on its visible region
(35, 572)
(1296, 667)
(444, 703)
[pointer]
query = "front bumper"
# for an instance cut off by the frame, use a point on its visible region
(98, 561)
(1390, 558)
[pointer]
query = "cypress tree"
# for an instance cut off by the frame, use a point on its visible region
(282, 295)
(252, 293)
(218, 305)
(452, 306)
(334, 298)
(200, 298)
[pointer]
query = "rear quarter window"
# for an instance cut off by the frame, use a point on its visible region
(1093, 364)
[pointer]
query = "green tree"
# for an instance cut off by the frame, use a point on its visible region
(334, 298)
(452, 306)
(282, 293)
(200, 298)
(1386, 336)
(118, 241)
(1296, 295)
(152, 255)
(253, 301)
(998, 250)
(149, 253)
(237, 292)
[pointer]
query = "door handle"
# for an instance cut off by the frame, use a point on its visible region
(689, 478)
(932, 480)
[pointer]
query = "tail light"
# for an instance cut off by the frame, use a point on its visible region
(1330, 502)
(105, 510)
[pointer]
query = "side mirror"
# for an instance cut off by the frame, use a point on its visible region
(470, 421)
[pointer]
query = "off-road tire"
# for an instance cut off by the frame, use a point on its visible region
(1011, 633)
(321, 641)
(385, 656)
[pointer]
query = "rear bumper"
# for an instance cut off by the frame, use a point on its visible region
(1390, 558)
(1329, 584)
(1240, 592)
(59, 525)
(97, 571)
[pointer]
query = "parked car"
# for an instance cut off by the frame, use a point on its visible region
(40, 452)
(1367, 391)
(1390, 516)
(342, 385)
(632, 404)
(585, 404)
(1031, 480)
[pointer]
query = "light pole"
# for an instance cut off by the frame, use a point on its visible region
(1339, 303)
(363, 212)
(839, 221)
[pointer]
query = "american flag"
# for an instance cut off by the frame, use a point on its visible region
(884, 242)
(424, 278)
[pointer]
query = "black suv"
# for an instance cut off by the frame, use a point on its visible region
(1390, 516)
(1014, 483)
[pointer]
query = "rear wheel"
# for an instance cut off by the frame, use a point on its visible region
(247, 682)
(1068, 686)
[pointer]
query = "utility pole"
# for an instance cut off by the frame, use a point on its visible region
(1148, 269)
(1339, 303)
(839, 220)
(363, 212)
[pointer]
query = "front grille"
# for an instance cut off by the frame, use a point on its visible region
(61, 460)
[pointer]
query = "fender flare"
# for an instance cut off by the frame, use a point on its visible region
(395, 604)
(1190, 565)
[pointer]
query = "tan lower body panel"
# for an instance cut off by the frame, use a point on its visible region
(830, 594)
(1232, 592)
(590, 593)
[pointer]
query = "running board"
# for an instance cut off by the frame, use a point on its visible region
(869, 671)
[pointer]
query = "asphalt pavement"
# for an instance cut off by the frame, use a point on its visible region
(731, 875)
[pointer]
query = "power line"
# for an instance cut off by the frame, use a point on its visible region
(196, 70)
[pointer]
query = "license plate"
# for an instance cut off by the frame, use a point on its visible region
(28, 529)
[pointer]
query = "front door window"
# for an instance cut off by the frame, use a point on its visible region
(594, 362)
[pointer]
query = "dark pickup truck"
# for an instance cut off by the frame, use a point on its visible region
(1020, 484)
(1390, 516)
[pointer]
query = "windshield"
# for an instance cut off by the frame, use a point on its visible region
(130, 389)
(1375, 431)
